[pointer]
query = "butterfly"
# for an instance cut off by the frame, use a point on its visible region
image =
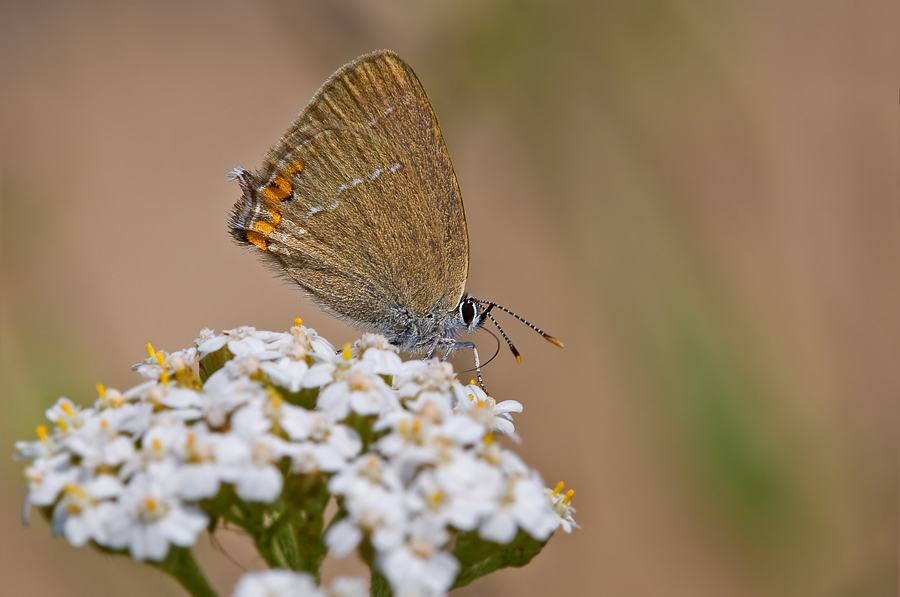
(359, 205)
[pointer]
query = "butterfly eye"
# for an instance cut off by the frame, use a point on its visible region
(468, 310)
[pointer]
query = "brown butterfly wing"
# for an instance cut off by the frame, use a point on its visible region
(358, 201)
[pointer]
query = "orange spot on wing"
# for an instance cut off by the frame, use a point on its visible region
(257, 239)
(274, 217)
(278, 189)
(262, 228)
(297, 166)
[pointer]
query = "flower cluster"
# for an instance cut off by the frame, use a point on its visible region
(260, 430)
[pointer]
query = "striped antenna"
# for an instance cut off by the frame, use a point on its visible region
(492, 304)
(505, 337)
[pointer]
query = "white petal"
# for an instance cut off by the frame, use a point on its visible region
(343, 538)
(261, 484)
(499, 528)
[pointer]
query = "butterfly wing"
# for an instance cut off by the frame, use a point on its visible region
(358, 202)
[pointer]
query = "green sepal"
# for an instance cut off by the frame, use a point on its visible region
(213, 362)
(306, 397)
(478, 557)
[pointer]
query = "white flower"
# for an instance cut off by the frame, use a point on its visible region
(262, 346)
(277, 583)
(251, 465)
(561, 505)
(348, 586)
(208, 342)
(154, 365)
(149, 517)
(417, 376)
(127, 472)
(486, 411)
(186, 402)
(381, 357)
(411, 443)
(376, 513)
(44, 447)
(318, 347)
(221, 395)
(419, 566)
(521, 503)
(286, 373)
(47, 477)
(198, 474)
(319, 374)
(157, 445)
(373, 341)
(364, 474)
(458, 493)
(285, 583)
(82, 514)
(331, 446)
(363, 392)
(262, 415)
(67, 415)
(99, 442)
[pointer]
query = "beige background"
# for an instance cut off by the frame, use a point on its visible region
(700, 201)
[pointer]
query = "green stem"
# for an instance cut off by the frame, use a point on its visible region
(182, 566)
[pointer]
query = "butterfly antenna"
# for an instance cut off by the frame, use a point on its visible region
(512, 347)
(546, 336)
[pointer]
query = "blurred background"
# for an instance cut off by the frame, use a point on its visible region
(699, 199)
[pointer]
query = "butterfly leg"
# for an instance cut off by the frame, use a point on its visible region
(433, 348)
(452, 346)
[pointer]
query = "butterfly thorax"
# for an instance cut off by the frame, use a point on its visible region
(420, 334)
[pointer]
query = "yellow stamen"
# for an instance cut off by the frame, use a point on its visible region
(416, 425)
(488, 439)
(164, 378)
(101, 389)
(569, 495)
(190, 440)
(104, 423)
(298, 322)
(559, 487)
(67, 409)
(62, 424)
(275, 398)
(149, 347)
(160, 357)
(402, 427)
(157, 445)
(150, 503)
(75, 490)
(41, 433)
(348, 351)
(436, 496)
